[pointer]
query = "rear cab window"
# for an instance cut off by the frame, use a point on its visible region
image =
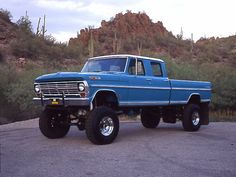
(136, 67)
(156, 69)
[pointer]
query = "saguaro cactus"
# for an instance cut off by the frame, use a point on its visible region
(139, 47)
(44, 26)
(191, 42)
(116, 44)
(42, 31)
(91, 42)
(38, 26)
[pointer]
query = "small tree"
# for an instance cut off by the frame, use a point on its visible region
(25, 24)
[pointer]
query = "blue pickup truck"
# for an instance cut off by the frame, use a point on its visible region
(112, 85)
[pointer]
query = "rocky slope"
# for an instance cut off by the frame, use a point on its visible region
(125, 33)
(135, 33)
(7, 34)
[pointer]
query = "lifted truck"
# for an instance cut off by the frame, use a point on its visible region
(110, 85)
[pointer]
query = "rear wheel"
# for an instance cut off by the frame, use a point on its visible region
(191, 118)
(102, 125)
(53, 124)
(149, 118)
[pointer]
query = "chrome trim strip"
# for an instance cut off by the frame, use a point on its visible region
(131, 87)
(108, 90)
(125, 55)
(198, 89)
(192, 94)
(182, 101)
(158, 88)
(189, 81)
(59, 82)
(126, 65)
(137, 103)
(59, 98)
(61, 95)
(205, 100)
(185, 102)
(178, 102)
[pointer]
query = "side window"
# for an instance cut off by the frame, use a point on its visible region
(132, 69)
(156, 69)
(140, 70)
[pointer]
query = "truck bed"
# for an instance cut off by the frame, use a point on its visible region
(182, 90)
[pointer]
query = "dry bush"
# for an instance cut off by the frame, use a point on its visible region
(5, 15)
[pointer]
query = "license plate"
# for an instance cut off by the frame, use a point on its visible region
(55, 102)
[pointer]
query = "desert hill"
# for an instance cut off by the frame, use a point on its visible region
(133, 33)
(125, 33)
(136, 33)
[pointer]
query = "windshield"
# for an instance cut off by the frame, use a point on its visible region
(105, 65)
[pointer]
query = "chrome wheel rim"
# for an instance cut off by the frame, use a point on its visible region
(106, 126)
(195, 118)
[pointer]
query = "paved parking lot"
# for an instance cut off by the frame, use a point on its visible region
(166, 151)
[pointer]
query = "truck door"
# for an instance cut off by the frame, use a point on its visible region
(161, 85)
(139, 88)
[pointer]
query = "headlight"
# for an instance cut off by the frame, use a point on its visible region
(37, 88)
(81, 87)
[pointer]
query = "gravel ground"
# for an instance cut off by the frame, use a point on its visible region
(165, 151)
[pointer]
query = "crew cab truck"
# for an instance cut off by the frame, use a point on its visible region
(112, 85)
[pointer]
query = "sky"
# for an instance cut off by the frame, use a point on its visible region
(64, 18)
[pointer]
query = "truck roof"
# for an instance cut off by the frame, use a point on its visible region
(125, 55)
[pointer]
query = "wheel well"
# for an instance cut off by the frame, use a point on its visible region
(105, 98)
(195, 99)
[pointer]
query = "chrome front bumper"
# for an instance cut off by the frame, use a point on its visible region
(59, 101)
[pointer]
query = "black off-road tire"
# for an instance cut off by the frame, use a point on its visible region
(53, 124)
(192, 118)
(98, 120)
(150, 119)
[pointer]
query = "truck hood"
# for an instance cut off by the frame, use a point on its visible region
(77, 76)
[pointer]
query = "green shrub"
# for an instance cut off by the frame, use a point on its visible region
(25, 25)
(16, 92)
(222, 77)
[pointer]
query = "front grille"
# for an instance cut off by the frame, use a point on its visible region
(59, 88)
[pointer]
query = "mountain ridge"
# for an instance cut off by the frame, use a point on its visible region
(132, 33)
(135, 33)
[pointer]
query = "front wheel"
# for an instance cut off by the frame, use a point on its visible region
(102, 125)
(192, 118)
(53, 124)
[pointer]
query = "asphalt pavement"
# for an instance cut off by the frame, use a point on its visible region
(166, 151)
